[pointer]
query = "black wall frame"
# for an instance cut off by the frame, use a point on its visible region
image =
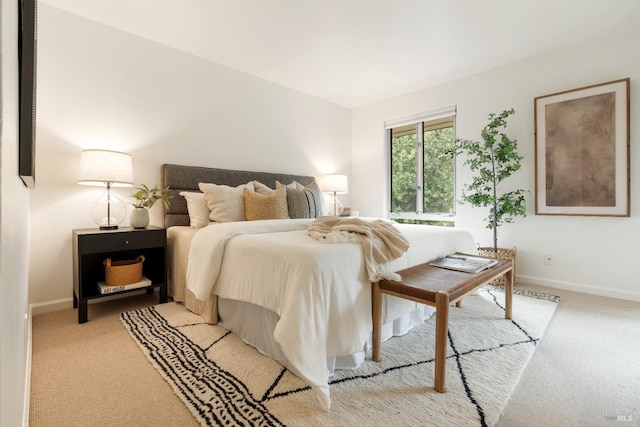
(27, 54)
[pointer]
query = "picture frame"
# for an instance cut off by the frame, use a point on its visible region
(582, 143)
(27, 52)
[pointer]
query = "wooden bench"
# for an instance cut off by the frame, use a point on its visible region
(440, 288)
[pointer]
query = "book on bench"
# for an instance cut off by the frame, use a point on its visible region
(466, 263)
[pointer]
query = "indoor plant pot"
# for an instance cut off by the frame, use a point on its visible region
(139, 218)
(145, 198)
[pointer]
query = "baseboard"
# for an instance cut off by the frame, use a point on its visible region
(578, 287)
(49, 306)
(65, 303)
(27, 372)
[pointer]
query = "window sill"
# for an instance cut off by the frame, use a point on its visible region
(423, 217)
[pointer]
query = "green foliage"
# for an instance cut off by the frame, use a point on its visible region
(146, 197)
(404, 174)
(493, 160)
(437, 170)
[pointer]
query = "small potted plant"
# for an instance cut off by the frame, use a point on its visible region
(493, 160)
(145, 198)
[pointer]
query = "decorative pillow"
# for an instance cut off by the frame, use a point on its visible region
(225, 203)
(260, 206)
(307, 202)
(262, 189)
(295, 185)
(197, 208)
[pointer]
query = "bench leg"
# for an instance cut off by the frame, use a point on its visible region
(442, 328)
(508, 294)
(376, 316)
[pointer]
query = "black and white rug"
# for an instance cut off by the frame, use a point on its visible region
(223, 381)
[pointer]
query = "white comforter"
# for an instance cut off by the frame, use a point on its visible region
(319, 290)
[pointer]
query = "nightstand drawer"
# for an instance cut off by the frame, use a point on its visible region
(107, 242)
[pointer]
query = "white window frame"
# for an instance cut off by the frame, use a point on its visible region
(418, 119)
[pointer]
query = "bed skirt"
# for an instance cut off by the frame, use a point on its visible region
(255, 325)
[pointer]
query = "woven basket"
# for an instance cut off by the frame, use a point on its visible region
(502, 253)
(125, 272)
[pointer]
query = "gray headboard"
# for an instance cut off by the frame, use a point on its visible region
(186, 178)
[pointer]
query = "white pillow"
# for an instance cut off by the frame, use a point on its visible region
(225, 203)
(197, 208)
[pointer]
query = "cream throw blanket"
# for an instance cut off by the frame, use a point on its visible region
(381, 241)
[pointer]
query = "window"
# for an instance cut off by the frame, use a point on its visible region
(422, 167)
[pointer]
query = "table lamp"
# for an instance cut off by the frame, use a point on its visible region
(336, 184)
(106, 168)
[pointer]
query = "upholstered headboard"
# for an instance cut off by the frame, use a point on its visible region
(186, 178)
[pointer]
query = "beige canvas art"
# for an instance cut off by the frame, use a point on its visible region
(580, 152)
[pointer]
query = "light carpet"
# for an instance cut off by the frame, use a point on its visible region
(223, 381)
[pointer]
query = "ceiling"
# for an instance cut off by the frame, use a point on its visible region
(355, 52)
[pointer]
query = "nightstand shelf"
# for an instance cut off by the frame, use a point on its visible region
(92, 246)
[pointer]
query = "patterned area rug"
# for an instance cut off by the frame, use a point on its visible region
(223, 381)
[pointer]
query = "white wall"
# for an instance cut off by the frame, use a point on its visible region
(14, 208)
(103, 88)
(591, 254)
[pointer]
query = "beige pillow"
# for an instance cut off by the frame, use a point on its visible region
(293, 185)
(261, 206)
(197, 208)
(262, 189)
(225, 203)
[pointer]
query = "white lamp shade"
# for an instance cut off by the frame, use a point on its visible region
(99, 167)
(335, 184)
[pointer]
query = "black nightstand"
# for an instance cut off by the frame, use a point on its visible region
(92, 246)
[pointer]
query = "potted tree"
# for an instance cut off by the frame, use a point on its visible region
(145, 198)
(493, 160)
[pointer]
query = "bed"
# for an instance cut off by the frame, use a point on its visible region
(305, 303)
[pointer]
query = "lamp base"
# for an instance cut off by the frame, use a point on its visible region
(108, 227)
(108, 211)
(337, 206)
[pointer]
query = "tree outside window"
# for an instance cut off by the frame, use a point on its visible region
(428, 196)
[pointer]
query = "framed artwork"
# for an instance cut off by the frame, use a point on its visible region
(582, 151)
(27, 46)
